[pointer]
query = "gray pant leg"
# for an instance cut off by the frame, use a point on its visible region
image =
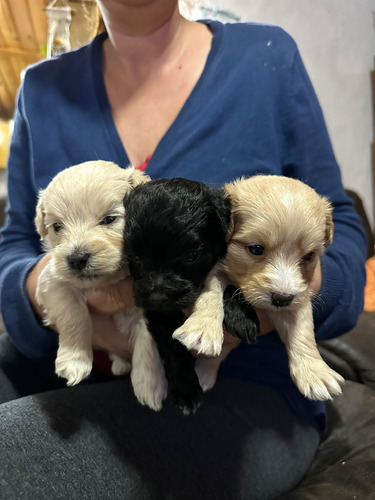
(96, 442)
(21, 376)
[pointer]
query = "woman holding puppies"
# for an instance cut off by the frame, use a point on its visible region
(209, 102)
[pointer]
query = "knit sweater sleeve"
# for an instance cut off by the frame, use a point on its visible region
(308, 155)
(20, 248)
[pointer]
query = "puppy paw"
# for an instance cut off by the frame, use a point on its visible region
(119, 366)
(316, 380)
(186, 396)
(150, 386)
(74, 367)
(206, 370)
(240, 318)
(205, 338)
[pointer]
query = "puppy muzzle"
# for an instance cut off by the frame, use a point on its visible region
(281, 299)
(164, 295)
(77, 262)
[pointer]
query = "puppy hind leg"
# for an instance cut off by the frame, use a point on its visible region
(184, 390)
(146, 368)
(119, 366)
(203, 329)
(147, 375)
(240, 318)
(207, 368)
(313, 377)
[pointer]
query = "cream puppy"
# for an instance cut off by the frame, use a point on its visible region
(80, 217)
(280, 228)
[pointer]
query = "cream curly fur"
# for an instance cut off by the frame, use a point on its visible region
(81, 212)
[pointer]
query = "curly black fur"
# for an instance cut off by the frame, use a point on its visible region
(240, 318)
(175, 233)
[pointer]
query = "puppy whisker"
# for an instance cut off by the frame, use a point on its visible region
(237, 294)
(318, 303)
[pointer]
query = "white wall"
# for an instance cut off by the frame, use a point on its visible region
(336, 39)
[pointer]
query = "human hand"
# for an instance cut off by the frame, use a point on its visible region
(112, 298)
(107, 337)
(316, 282)
(32, 282)
(266, 325)
(103, 303)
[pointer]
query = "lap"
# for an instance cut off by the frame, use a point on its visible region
(96, 441)
(21, 376)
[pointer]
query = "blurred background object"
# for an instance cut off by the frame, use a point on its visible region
(207, 9)
(6, 128)
(59, 15)
(24, 28)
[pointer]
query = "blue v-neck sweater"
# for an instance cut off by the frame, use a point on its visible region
(252, 111)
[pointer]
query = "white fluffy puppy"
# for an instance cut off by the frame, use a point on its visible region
(280, 228)
(80, 217)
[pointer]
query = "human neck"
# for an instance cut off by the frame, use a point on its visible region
(139, 35)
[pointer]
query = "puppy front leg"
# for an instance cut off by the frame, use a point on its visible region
(203, 329)
(147, 374)
(313, 377)
(66, 308)
(183, 386)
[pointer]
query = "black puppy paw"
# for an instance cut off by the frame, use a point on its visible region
(186, 395)
(240, 318)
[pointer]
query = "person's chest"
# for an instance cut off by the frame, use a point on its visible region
(142, 118)
(145, 107)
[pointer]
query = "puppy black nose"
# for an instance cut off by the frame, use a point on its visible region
(282, 299)
(78, 261)
(158, 297)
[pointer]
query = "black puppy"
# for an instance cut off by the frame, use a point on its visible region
(175, 233)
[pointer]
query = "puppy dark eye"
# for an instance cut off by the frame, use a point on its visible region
(256, 249)
(108, 220)
(57, 226)
(191, 257)
(135, 258)
(308, 257)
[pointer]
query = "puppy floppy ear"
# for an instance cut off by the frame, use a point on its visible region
(135, 177)
(329, 224)
(40, 215)
(221, 219)
(230, 194)
(223, 207)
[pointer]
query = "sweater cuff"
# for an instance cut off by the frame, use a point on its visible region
(24, 328)
(330, 299)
